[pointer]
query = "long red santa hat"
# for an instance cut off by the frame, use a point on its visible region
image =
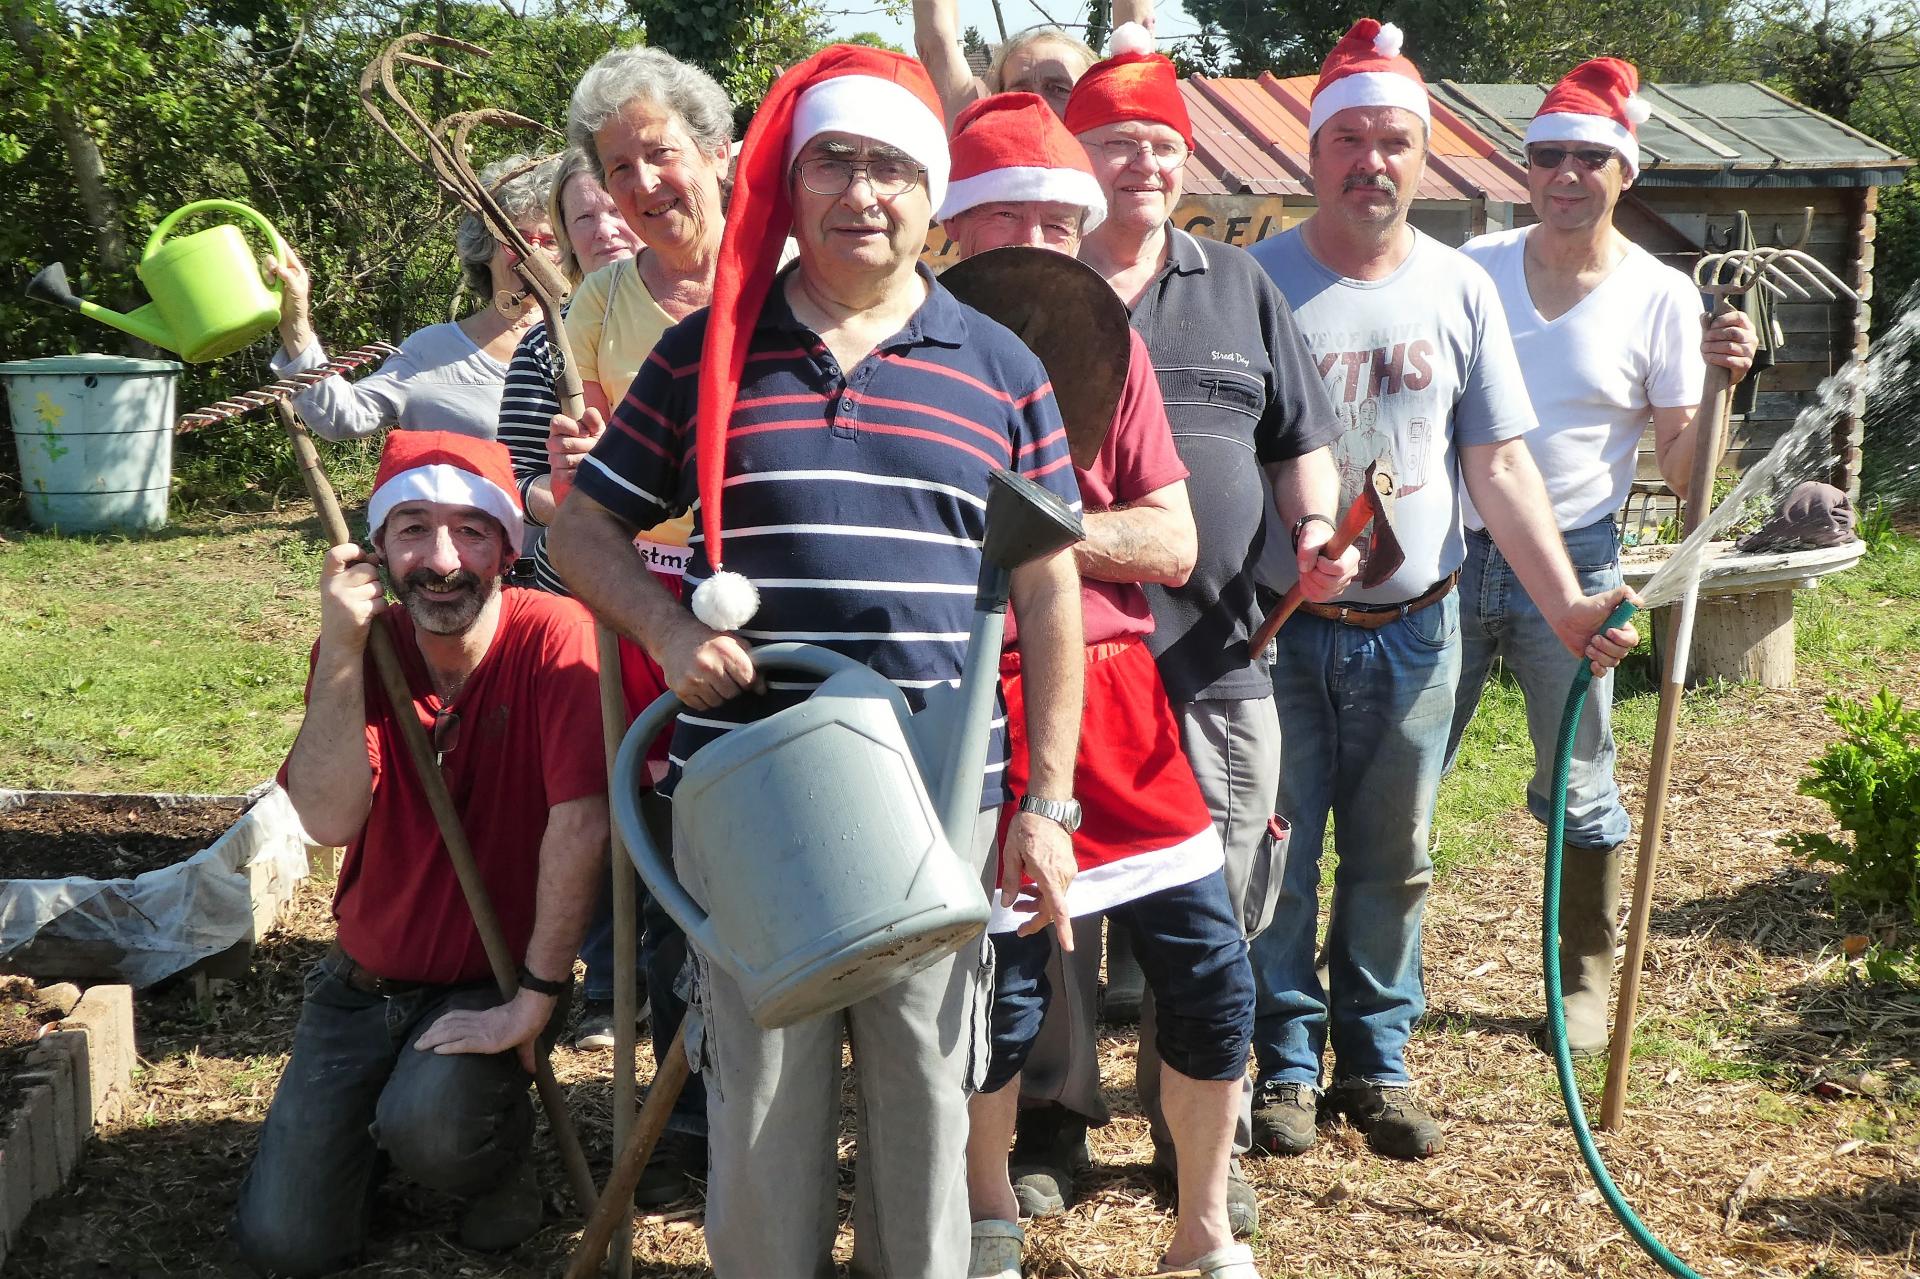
(1598, 101)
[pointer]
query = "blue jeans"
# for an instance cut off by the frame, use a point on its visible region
(1190, 947)
(1498, 619)
(357, 1095)
(1364, 716)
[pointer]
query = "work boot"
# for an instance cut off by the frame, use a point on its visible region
(1243, 1206)
(679, 1159)
(594, 1031)
(1049, 1151)
(1126, 984)
(1395, 1123)
(505, 1216)
(1589, 929)
(1285, 1118)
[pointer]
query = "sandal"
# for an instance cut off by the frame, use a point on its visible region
(995, 1250)
(1232, 1262)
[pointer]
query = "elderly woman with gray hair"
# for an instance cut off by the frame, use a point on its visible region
(446, 376)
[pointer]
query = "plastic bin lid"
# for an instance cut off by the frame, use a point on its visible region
(90, 362)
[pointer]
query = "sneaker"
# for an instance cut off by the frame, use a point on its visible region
(594, 1031)
(1285, 1118)
(505, 1216)
(994, 1252)
(1049, 1150)
(1243, 1206)
(1395, 1123)
(679, 1160)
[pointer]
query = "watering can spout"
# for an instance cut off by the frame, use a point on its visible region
(51, 286)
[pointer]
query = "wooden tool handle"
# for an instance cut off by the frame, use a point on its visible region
(616, 1201)
(1350, 528)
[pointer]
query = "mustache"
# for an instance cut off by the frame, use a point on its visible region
(1375, 181)
(459, 579)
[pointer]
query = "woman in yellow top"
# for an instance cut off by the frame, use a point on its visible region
(659, 133)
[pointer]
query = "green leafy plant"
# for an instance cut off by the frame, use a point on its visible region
(1870, 779)
(1875, 527)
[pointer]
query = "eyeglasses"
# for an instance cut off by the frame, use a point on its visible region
(886, 177)
(1165, 155)
(446, 732)
(1592, 159)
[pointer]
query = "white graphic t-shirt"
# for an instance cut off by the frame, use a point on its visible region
(1418, 364)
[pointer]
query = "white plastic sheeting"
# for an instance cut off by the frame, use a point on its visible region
(147, 928)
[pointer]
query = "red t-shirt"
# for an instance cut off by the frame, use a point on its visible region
(528, 739)
(1137, 458)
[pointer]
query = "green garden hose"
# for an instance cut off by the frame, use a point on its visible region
(1550, 961)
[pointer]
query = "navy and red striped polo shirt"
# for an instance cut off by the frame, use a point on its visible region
(855, 499)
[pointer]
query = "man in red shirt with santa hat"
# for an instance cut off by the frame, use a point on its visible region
(1147, 853)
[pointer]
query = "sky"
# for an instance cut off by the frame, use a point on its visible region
(860, 15)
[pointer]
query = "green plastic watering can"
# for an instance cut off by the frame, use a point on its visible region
(209, 298)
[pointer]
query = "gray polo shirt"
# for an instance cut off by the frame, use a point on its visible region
(1241, 391)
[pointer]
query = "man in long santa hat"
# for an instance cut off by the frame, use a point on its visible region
(850, 412)
(1413, 345)
(1609, 342)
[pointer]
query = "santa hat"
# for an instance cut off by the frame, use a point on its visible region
(446, 467)
(1366, 69)
(1134, 83)
(844, 88)
(1012, 146)
(1598, 101)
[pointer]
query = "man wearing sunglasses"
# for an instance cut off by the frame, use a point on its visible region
(405, 1053)
(1609, 340)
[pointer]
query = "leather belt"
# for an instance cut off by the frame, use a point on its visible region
(348, 969)
(1372, 617)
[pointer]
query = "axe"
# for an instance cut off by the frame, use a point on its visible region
(1384, 555)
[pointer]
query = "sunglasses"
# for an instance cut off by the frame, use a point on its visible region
(446, 733)
(1592, 159)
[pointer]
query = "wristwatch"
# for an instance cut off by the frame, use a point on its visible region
(1064, 811)
(1299, 525)
(541, 986)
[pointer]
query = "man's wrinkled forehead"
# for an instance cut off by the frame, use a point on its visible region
(440, 513)
(1383, 121)
(848, 146)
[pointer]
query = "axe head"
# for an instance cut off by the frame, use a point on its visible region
(1382, 555)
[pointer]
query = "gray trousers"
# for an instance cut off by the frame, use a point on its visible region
(920, 1047)
(1234, 748)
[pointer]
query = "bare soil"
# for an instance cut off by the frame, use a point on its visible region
(1772, 1128)
(100, 838)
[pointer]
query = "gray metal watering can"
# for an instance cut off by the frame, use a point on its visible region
(818, 844)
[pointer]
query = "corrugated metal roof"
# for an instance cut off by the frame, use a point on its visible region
(1705, 135)
(1250, 138)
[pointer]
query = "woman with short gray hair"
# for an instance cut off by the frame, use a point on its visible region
(446, 376)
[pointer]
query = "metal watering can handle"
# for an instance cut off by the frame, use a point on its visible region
(252, 215)
(656, 866)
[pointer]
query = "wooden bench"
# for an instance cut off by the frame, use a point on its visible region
(1743, 630)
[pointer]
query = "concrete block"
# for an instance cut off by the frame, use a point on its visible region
(16, 1180)
(54, 1072)
(62, 995)
(105, 1013)
(36, 1116)
(72, 1049)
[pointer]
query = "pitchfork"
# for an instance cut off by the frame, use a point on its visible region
(1784, 271)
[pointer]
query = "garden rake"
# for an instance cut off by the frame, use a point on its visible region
(1785, 272)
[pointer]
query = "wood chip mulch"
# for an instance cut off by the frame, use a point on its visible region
(1771, 1126)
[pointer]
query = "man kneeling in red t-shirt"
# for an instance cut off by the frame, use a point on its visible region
(404, 1052)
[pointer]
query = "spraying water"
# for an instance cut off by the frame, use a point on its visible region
(1803, 451)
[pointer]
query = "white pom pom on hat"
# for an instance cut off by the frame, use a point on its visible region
(1639, 110)
(726, 601)
(1387, 43)
(1130, 37)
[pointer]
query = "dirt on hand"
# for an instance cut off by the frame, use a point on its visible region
(107, 838)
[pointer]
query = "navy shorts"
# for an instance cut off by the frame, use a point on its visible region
(1188, 941)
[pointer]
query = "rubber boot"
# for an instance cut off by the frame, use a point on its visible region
(1589, 930)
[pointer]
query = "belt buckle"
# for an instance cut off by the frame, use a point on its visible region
(1341, 617)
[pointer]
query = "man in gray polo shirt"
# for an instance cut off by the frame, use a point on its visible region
(1252, 425)
(1411, 341)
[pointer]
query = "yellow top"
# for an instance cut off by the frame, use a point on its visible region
(613, 323)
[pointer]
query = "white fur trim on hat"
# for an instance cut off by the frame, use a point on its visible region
(1129, 37)
(879, 109)
(1368, 89)
(1057, 186)
(1569, 126)
(726, 601)
(450, 486)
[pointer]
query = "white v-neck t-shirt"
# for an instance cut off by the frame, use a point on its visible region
(1596, 373)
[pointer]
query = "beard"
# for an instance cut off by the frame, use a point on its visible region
(449, 616)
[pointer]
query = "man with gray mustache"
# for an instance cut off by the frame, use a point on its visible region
(1413, 345)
